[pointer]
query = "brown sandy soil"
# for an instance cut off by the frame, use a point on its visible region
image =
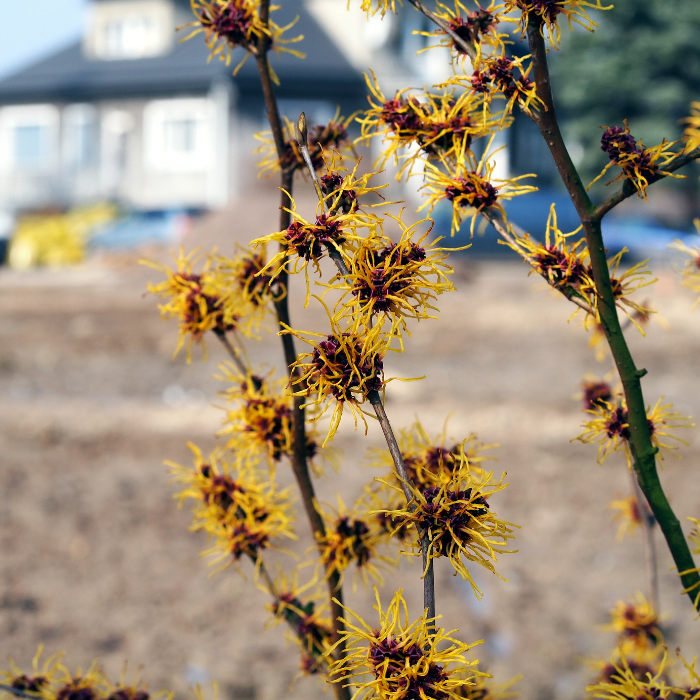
(97, 560)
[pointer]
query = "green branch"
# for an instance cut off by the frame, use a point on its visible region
(641, 446)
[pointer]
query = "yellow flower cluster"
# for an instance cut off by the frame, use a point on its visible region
(631, 679)
(437, 124)
(260, 422)
(382, 285)
(459, 522)
(226, 295)
(312, 629)
(402, 661)
(331, 232)
(470, 187)
(562, 262)
(350, 538)
(429, 463)
(565, 264)
(629, 513)
(638, 164)
(690, 274)
(692, 131)
(51, 680)
(240, 511)
(636, 624)
(434, 135)
(342, 368)
(393, 281)
(478, 28)
(323, 138)
(228, 24)
(610, 428)
(547, 13)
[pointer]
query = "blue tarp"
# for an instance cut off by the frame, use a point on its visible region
(138, 229)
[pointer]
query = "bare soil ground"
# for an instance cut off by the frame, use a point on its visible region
(98, 561)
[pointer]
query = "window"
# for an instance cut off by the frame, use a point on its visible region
(177, 134)
(180, 136)
(30, 145)
(129, 30)
(131, 37)
(28, 135)
(80, 136)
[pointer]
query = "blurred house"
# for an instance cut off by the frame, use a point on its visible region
(134, 115)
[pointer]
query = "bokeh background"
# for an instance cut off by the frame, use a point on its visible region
(118, 143)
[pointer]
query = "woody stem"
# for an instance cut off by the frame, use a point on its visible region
(428, 571)
(641, 445)
(18, 693)
(232, 351)
(375, 399)
(464, 45)
(300, 464)
(648, 522)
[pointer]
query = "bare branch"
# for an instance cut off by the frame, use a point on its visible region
(232, 351)
(464, 45)
(19, 693)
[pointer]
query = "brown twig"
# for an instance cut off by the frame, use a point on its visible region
(628, 188)
(373, 396)
(641, 446)
(375, 400)
(300, 464)
(233, 352)
(19, 693)
(464, 45)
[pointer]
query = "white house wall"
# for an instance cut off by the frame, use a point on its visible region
(148, 154)
(29, 177)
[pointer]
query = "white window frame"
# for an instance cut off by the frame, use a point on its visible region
(76, 116)
(45, 116)
(157, 155)
(145, 29)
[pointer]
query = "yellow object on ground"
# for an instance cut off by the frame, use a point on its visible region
(56, 239)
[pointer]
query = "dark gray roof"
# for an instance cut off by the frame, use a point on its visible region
(69, 76)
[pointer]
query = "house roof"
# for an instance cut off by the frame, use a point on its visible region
(69, 76)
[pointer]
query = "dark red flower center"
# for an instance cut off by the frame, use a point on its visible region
(465, 193)
(330, 357)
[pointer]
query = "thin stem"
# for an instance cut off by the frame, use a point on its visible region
(300, 465)
(428, 570)
(272, 590)
(301, 133)
(464, 45)
(262, 569)
(19, 693)
(648, 521)
(232, 351)
(641, 446)
(375, 399)
(628, 188)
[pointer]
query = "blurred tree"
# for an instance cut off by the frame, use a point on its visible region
(642, 64)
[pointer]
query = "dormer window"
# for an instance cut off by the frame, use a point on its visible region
(129, 29)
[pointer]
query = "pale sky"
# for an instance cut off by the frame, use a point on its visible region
(32, 29)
